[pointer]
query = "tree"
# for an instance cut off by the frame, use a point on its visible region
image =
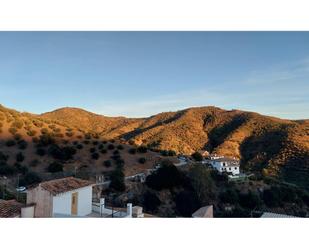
(117, 180)
(271, 197)
(3, 157)
(186, 203)
(229, 196)
(142, 149)
(32, 178)
(10, 143)
(95, 156)
(107, 163)
(151, 202)
(167, 176)
(20, 157)
(250, 200)
(110, 147)
(41, 152)
(120, 147)
(55, 167)
(202, 183)
(142, 160)
(132, 151)
(6, 169)
(197, 156)
(22, 144)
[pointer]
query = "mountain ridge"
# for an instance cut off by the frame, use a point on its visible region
(265, 144)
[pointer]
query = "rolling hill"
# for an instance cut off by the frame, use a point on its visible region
(270, 145)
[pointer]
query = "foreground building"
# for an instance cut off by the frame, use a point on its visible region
(61, 197)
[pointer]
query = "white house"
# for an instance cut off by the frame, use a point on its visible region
(61, 197)
(225, 164)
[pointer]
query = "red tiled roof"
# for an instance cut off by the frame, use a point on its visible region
(9, 209)
(64, 185)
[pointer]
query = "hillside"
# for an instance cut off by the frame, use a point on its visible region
(265, 144)
(30, 143)
(268, 145)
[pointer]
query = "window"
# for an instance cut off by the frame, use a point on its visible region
(230, 168)
(235, 167)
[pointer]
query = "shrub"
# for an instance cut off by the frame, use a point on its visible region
(17, 137)
(22, 144)
(37, 123)
(10, 143)
(69, 134)
(197, 156)
(55, 167)
(45, 140)
(79, 146)
(3, 157)
(41, 152)
(116, 152)
(35, 140)
(20, 157)
(151, 202)
(119, 162)
(12, 130)
(110, 147)
(168, 153)
(6, 169)
(142, 160)
(142, 149)
(64, 153)
(107, 163)
(131, 142)
(95, 156)
(132, 151)
(87, 136)
(31, 133)
(101, 147)
(44, 130)
(103, 151)
(86, 142)
(34, 163)
(120, 147)
(18, 124)
(92, 150)
(95, 142)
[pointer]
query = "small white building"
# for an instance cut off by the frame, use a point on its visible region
(225, 164)
(61, 197)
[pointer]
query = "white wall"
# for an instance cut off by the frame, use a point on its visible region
(62, 202)
(219, 166)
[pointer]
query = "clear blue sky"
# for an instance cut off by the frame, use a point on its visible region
(138, 74)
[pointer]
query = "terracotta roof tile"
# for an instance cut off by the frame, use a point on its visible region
(9, 209)
(64, 185)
